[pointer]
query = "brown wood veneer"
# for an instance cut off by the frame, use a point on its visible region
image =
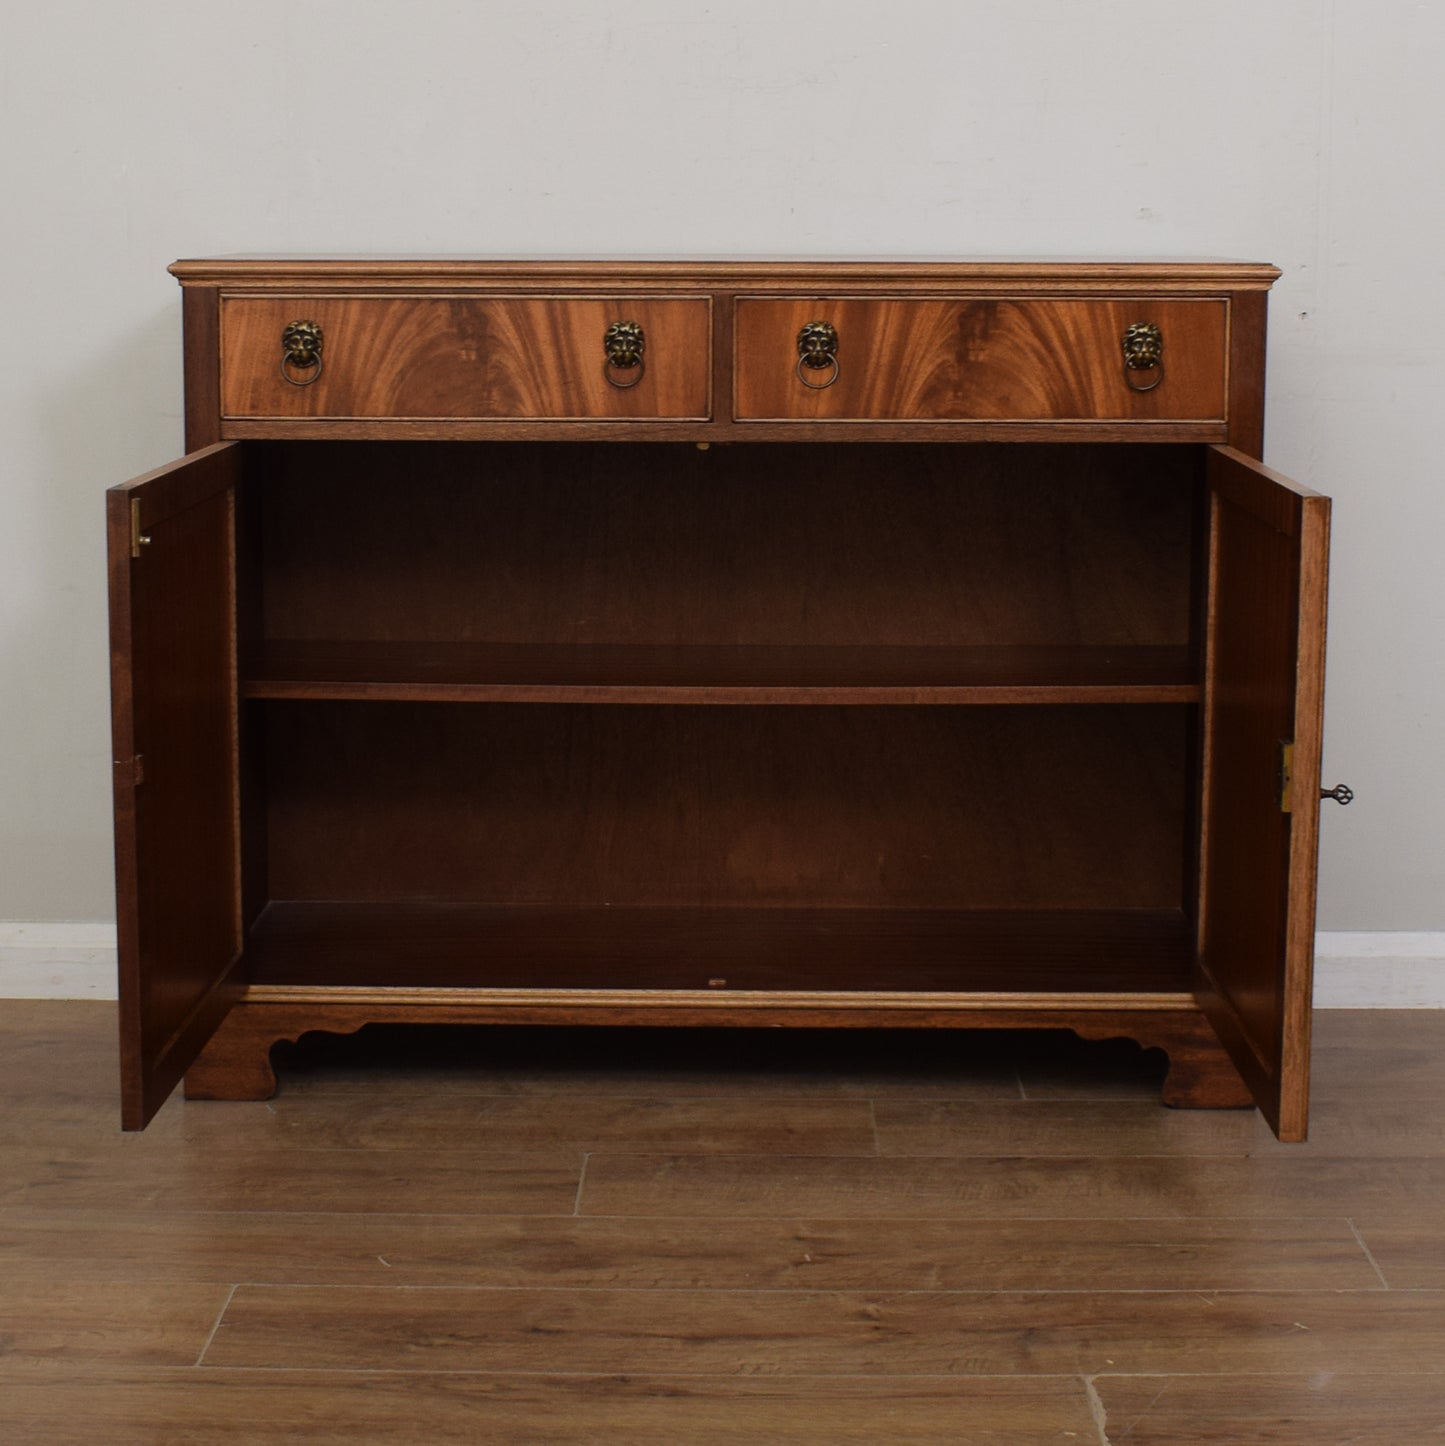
(445, 357)
(394, 614)
(884, 1333)
(1354, 1407)
(998, 359)
(777, 952)
(129, 1408)
(739, 674)
(173, 708)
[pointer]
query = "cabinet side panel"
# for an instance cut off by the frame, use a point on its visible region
(1248, 313)
(200, 314)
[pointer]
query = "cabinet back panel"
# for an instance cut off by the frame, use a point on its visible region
(1002, 808)
(760, 544)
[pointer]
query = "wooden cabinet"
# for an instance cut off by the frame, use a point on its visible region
(731, 643)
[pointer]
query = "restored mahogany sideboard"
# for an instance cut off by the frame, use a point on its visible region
(726, 643)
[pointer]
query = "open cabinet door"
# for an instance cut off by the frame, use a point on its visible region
(1264, 690)
(171, 537)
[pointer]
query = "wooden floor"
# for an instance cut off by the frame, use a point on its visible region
(632, 1237)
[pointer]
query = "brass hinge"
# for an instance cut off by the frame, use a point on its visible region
(138, 539)
(1286, 777)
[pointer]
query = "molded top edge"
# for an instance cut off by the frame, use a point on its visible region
(264, 270)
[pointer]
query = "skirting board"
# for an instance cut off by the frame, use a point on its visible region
(57, 961)
(1352, 970)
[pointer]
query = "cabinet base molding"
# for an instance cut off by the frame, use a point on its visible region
(236, 1062)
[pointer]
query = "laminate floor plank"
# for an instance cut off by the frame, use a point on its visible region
(581, 1253)
(1070, 1127)
(509, 1123)
(529, 1124)
(803, 1332)
(647, 1236)
(1408, 1243)
(1321, 1409)
(944, 1187)
(140, 1323)
(1389, 1056)
(58, 1050)
(141, 1175)
(258, 1408)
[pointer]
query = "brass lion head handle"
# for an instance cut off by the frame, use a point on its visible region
(301, 352)
(818, 352)
(1143, 352)
(624, 344)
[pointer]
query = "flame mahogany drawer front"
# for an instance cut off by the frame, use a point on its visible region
(981, 359)
(455, 357)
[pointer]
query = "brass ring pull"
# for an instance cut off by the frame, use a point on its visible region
(1143, 352)
(624, 344)
(819, 386)
(301, 348)
(818, 352)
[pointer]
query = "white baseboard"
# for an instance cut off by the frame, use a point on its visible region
(1352, 970)
(1356, 970)
(57, 961)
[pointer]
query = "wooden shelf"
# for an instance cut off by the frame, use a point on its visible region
(478, 946)
(711, 674)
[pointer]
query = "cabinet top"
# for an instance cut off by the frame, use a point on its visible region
(754, 273)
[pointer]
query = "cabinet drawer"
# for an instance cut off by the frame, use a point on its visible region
(493, 357)
(986, 359)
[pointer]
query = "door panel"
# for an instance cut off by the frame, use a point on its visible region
(1264, 686)
(173, 699)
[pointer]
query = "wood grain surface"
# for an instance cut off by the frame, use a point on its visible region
(461, 356)
(171, 544)
(136, 1408)
(371, 1258)
(888, 1333)
(737, 674)
(1009, 275)
(1264, 689)
(1118, 1187)
(365, 946)
(976, 360)
(516, 404)
(1324, 1408)
(579, 1253)
(766, 546)
(380, 592)
(140, 1322)
(891, 808)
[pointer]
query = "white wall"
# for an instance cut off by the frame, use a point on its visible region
(1304, 132)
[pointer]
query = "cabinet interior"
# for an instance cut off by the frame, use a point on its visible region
(763, 716)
